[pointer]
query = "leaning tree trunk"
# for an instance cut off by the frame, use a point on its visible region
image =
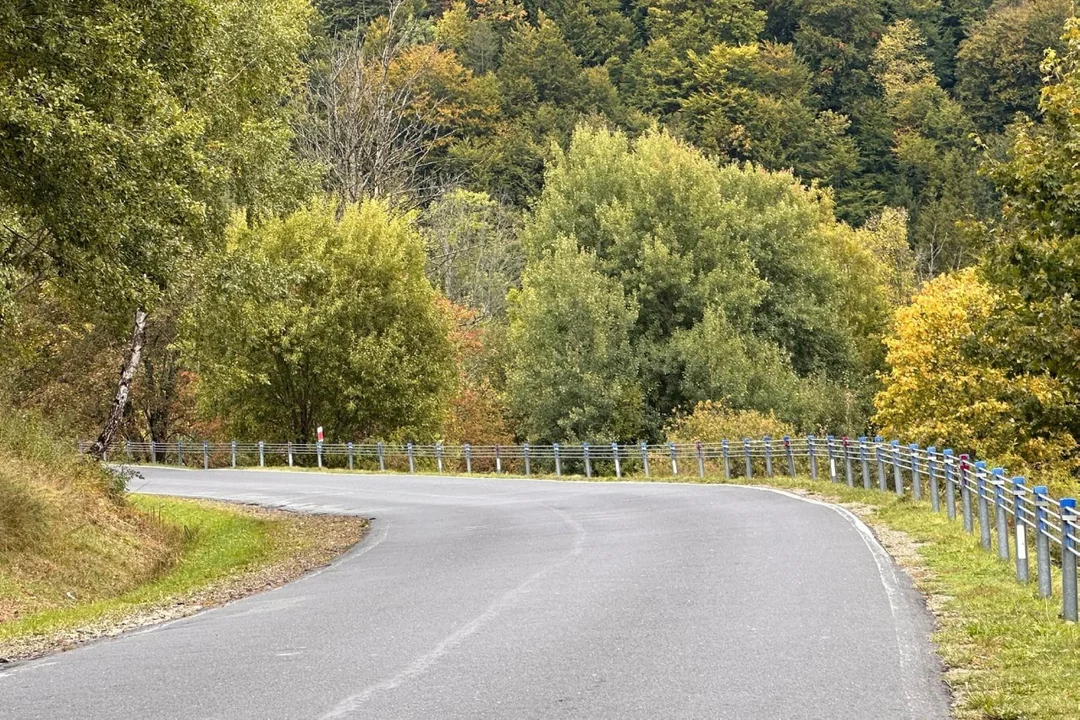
(116, 414)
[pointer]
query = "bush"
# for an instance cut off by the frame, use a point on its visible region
(711, 422)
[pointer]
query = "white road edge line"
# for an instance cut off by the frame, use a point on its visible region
(907, 643)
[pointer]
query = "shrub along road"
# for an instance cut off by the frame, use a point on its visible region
(495, 598)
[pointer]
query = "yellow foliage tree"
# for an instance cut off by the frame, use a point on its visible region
(936, 393)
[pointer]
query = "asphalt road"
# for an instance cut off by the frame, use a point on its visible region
(479, 598)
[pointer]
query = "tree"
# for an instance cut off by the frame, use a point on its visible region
(659, 74)
(732, 257)
(572, 374)
(937, 392)
(937, 158)
(130, 132)
(1033, 261)
(998, 64)
(474, 256)
(595, 29)
(310, 320)
(383, 108)
(753, 102)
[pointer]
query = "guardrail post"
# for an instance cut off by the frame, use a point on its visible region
(525, 452)
(1042, 542)
(588, 460)
(615, 455)
(965, 493)
(1067, 508)
(768, 456)
(1019, 510)
(983, 505)
(916, 477)
(1001, 519)
(558, 461)
(813, 457)
(382, 459)
(746, 454)
(234, 453)
(950, 484)
(288, 448)
(153, 453)
(700, 460)
(832, 457)
(318, 452)
(262, 454)
(350, 450)
(931, 470)
(898, 478)
(468, 458)
(879, 455)
(412, 461)
(645, 458)
(205, 455)
(790, 456)
(127, 450)
(438, 456)
(179, 452)
(847, 463)
(864, 461)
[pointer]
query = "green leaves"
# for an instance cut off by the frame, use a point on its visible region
(737, 278)
(312, 320)
(129, 130)
(572, 374)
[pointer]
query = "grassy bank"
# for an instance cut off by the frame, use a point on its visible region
(225, 551)
(80, 558)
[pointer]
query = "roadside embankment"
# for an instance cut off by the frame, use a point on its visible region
(80, 558)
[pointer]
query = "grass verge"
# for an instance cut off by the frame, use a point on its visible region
(226, 551)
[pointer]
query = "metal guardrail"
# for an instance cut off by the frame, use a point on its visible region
(1008, 513)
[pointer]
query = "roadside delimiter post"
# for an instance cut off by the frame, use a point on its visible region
(1069, 548)
(898, 479)
(983, 505)
(1001, 520)
(950, 483)
(1042, 542)
(864, 461)
(746, 455)
(790, 456)
(1020, 511)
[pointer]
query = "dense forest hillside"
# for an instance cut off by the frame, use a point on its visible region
(548, 220)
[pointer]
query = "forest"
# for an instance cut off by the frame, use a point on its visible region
(491, 221)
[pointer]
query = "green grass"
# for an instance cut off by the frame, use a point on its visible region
(217, 542)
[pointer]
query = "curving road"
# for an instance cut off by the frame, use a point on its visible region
(479, 598)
